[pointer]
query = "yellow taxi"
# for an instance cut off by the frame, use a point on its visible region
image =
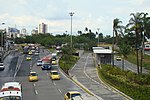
(28, 58)
(54, 75)
(30, 53)
(33, 76)
(53, 62)
(72, 94)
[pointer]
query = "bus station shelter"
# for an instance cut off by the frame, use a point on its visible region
(102, 55)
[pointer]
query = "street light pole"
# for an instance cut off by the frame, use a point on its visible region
(71, 14)
(98, 36)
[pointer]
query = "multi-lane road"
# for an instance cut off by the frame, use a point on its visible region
(17, 68)
(84, 72)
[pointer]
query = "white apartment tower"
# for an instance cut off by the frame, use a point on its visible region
(43, 28)
(23, 32)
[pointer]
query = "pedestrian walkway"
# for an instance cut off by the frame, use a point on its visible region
(85, 73)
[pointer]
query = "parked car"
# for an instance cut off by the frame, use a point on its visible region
(2, 67)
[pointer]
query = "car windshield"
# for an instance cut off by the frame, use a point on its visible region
(53, 59)
(74, 95)
(39, 61)
(33, 74)
(11, 98)
(46, 64)
(55, 73)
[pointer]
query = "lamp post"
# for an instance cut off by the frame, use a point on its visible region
(71, 14)
(98, 36)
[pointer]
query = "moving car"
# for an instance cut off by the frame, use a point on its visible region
(46, 66)
(72, 94)
(36, 53)
(54, 62)
(33, 76)
(2, 67)
(118, 58)
(30, 53)
(54, 75)
(39, 63)
(11, 91)
(28, 57)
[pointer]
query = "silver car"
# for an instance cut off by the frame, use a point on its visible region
(2, 67)
(39, 63)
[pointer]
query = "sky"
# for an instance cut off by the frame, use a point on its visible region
(92, 14)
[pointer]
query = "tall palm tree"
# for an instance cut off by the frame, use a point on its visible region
(143, 39)
(135, 26)
(116, 29)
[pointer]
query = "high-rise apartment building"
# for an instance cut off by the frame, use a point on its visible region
(43, 28)
(23, 32)
(34, 31)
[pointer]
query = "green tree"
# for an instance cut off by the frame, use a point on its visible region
(135, 26)
(117, 28)
(124, 50)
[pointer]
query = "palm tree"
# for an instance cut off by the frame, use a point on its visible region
(143, 39)
(145, 34)
(116, 28)
(86, 29)
(136, 25)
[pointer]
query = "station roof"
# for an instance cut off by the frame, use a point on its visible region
(101, 50)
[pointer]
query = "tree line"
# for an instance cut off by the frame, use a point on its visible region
(126, 37)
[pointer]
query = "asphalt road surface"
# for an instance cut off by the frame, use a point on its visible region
(45, 88)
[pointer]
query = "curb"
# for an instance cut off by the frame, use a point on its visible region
(108, 85)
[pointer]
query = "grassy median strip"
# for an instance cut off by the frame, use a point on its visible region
(137, 87)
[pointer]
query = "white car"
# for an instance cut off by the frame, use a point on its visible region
(36, 53)
(39, 63)
(2, 67)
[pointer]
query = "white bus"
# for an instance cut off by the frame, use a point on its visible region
(11, 91)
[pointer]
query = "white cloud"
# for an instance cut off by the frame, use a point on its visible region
(93, 14)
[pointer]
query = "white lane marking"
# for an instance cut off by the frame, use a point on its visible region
(47, 74)
(54, 83)
(60, 91)
(34, 84)
(36, 92)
